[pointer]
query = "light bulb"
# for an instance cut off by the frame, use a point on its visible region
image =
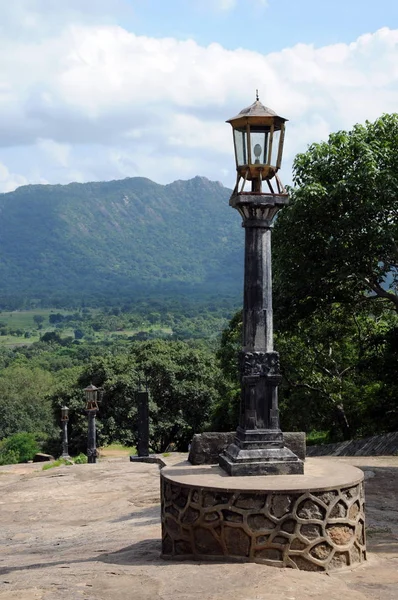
(257, 153)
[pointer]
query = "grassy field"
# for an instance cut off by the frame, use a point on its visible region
(117, 451)
(24, 320)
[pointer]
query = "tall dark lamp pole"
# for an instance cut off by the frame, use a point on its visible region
(91, 393)
(64, 422)
(258, 448)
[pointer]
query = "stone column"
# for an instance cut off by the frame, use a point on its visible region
(143, 423)
(65, 452)
(258, 448)
(91, 437)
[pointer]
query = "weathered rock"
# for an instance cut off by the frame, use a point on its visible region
(40, 457)
(321, 551)
(258, 522)
(296, 442)
(341, 535)
(311, 531)
(206, 543)
(280, 505)
(237, 541)
(152, 458)
(310, 510)
(206, 447)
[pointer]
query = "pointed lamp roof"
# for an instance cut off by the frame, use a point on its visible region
(256, 112)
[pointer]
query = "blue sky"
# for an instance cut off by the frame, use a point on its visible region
(106, 89)
(264, 26)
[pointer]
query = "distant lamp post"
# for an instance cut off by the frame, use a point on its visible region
(91, 392)
(143, 419)
(258, 448)
(64, 422)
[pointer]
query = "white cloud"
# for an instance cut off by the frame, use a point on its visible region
(10, 181)
(226, 4)
(59, 153)
(98, 102)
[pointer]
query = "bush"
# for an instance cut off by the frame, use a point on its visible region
(81, 459)
(7, 457)
(318, 437)
(19, 447)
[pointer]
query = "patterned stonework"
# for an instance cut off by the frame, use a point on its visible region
(265, 364)
(313, 531)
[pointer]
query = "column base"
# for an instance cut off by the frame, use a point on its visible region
(260, 453)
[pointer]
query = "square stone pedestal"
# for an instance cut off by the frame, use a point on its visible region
(259, 452)
(261, 461)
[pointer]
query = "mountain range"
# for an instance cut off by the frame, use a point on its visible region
(116, 239)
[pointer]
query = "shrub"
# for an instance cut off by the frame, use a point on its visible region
(81, 459)
(19, 447)
(57, 463)
(7, 457)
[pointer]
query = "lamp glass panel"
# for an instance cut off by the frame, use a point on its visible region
(259, 139)
(241, 146)
(275, 147)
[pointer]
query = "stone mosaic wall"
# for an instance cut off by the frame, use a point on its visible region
(314, 531)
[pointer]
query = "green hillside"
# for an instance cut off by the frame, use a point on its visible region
(117, 238)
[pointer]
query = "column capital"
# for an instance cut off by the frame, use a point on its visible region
(258, 209)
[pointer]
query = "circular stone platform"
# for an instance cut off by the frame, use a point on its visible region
(313, 522)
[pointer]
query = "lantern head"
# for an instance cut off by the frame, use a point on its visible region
(258, 140)
(64, 413)
(91, 393)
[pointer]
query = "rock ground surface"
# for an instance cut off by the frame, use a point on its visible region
(93, 532)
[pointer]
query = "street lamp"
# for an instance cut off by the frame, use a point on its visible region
(259, 134)
(91, 392)
(258, 448)
(64, 422)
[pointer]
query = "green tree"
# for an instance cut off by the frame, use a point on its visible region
(182, 380)
(337, 240)
(39, 320)
(226, 411)
(339, 373)
(24, 400)
(20, 447)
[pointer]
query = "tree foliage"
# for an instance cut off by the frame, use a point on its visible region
(182, 380)
(25, 400)
(335, 263)
(337, 240)
(20, 447)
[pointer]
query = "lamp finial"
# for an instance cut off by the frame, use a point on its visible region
(257, 96)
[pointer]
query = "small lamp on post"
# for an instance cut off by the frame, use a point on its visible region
(64, 422)
(91, 393)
